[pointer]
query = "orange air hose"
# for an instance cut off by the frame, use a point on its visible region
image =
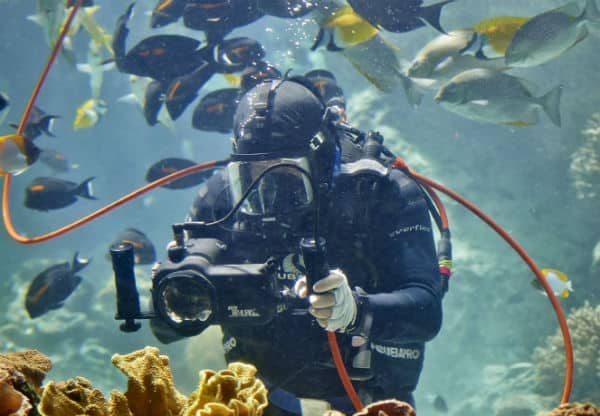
(84, 220)
(568, 379)
(400, 164)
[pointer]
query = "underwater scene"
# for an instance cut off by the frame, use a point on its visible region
(491, 107)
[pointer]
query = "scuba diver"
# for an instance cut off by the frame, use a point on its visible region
(298, 170)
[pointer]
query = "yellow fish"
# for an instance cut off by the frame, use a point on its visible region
(351, 27)
(558, 281)
(17, 153)
(498, 31)
(85, 18)
(88, 113)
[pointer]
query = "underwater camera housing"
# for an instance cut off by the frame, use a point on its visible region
(190, 293)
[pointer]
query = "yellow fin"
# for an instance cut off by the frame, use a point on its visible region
(561, 276)
(500, 30)
(233, 79)
(518, 123)
(352, 28)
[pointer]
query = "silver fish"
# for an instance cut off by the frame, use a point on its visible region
(550, 34)
(448, 55)
(376, 59)
(495, 97)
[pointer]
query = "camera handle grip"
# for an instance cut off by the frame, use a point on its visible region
(314, 254)
(128, 301)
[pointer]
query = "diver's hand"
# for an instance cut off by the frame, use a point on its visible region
(331, 302)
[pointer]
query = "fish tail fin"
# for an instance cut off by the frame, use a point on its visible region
(85, 189)
(431, 15)
(79, 262)
(46, 124)
(318, 39)
(551, 104)
(413, 89)
(569, 286)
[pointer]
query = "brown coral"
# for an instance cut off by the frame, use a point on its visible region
(231, 392)
(150, 387)
(574, 409)
(390, 407)
(21, 376)
(31, 363)
(584, 325)
(72, 397)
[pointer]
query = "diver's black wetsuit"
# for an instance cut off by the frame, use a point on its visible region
(380, 236)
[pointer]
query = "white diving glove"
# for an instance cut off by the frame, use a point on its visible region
(331, 301)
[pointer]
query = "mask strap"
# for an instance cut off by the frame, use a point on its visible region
(262, 110)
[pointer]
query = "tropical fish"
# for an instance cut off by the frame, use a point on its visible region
(37, 123)
(143, 249)
(215, 111)
(217, 18)
(286, 8)
(154, 97)
(95, 67)
(50, 16)
(150, 99)
(45, 193)
(496, 33)
(495, 97)
(235, 54)
(17, 153)
(350, 28)
(449, 54)
(440, 49)
(171, 165)
(4, 106)
(49, 289)
(558, 281)
(375, 59)
(89, 113)
(325, 83)
(257, 72)
(97, 33)
(161, 57)
(400, 16)
(166, 12)
(184, 89)
(550, 34)
(55, 160)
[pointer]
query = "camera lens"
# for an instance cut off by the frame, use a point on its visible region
(186, 298)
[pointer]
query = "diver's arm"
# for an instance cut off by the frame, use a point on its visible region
(409, 309)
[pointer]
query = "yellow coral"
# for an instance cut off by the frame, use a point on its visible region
(231, 392)
(150, 387)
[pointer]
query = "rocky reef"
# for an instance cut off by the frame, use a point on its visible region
(585, 161)
(151, 391)
(549, 364)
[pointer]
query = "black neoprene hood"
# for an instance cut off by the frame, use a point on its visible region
(276, 116)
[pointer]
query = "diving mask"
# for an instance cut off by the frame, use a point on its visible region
(279, 185)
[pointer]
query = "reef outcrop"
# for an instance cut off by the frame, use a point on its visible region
(573, 409)
(151, 391)
(21, 377)
(549, 364)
